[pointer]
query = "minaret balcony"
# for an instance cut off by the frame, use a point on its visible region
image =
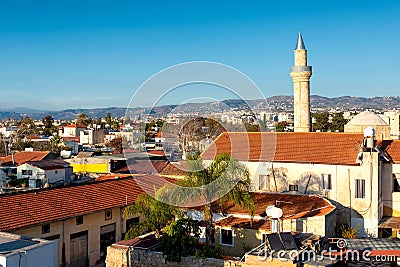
(301, 69)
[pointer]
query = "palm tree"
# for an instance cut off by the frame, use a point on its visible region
(225, 179)
(156, 215)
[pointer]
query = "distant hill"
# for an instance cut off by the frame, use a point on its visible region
(274, 103)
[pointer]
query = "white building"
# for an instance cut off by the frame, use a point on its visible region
(45, 171)
(333, 165)
(16, 250)
(72, 130)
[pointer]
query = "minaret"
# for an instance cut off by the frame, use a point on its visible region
(301, 74)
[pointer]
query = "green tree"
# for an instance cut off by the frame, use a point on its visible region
(156, 215)
(180, 238)
(82, 119)
(108, 119)
(338, 122)
(321, 121)
(116, 143)
(231, 173)
(49, 128)
(281, 126)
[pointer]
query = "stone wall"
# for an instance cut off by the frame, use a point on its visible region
(118, 257)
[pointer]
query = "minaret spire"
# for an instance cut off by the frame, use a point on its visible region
(301, 74)
(300, 44)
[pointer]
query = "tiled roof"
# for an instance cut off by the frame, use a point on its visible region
(312, 147)
(244, 223)
(390, 222)
(74, 125)
(175, 169)
(24, 156)
(292, 205)
(392, 148)
(24, 209)
(143, 167)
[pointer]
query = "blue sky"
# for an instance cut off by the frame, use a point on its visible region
(95, 53)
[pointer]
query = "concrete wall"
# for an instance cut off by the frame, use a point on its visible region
(37, 173)
(247, 239)
(91, 223)
(90, 165)
(44, 254)
(391, 199)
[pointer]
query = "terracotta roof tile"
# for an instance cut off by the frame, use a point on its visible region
(24, 209)
(74, 125)
(175, 169)
(24, 156)
(318, 148)
(392, 148)
(144, 167)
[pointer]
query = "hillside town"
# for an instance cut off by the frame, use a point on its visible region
(247, 187)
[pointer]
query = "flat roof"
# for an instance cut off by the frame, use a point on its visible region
(10, 243)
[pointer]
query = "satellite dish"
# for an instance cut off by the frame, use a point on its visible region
(274, 212)
(369, 132)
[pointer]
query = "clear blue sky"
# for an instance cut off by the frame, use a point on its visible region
(80, 54)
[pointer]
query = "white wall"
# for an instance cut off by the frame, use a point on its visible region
(45, 254)
(370, 208)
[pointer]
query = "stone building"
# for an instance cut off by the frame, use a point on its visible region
(368, 119)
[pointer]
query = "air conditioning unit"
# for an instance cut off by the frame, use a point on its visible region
(293, 187)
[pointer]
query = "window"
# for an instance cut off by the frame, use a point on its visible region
(108, 214)
(359, 188)
(26, 172)
(79, 220)
(263, 182)
(226, 237)
(45, 228)
(293, 187)
(327, 181)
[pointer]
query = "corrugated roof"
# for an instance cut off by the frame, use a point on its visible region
(244, 223)
(292, 205)
(312, 147)
(24, 209)
(49, 164)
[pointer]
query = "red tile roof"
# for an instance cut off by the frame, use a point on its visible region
(74, 125)
(292, 205)
(176, 169)
(144, 167)
(392, 148)
(20, 210)
(312, 147)
(24, 156)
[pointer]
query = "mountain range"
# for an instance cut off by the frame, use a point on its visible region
(274, 103)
